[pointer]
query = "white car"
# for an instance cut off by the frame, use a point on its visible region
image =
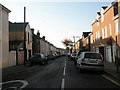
(90, 61)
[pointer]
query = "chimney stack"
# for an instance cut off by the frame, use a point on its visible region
(32, 30)
(38, 34)
(43, 38)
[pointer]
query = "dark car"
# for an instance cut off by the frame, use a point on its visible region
(38, 58)
(51, 57)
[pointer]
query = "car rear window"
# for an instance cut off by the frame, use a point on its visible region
(93, 55)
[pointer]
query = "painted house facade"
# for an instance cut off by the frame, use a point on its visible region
(4, 36)
(16, 42)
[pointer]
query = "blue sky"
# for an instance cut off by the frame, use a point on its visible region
(55, 20)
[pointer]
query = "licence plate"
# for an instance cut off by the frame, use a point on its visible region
(93, 62)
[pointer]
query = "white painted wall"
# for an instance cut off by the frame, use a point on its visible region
(28, 45)
(4, 39)
(12, 58)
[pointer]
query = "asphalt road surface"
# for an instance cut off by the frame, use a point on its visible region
(61, 74)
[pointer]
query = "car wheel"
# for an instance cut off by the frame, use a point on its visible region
(80, 70)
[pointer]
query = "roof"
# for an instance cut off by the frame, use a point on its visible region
(17, 26)
(1, 6)
(85, 34)
(98, 13)
(104, 7)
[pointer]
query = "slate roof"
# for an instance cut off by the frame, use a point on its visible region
(104, 7)
(17, 26)
(98, 13)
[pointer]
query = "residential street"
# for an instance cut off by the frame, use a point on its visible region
(59, 73)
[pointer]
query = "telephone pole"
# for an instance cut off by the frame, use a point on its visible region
(25, 51)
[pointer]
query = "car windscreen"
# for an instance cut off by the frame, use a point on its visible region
(93, 55)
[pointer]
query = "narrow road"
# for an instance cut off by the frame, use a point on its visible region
(62, 73)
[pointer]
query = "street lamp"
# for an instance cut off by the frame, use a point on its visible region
(75, 42)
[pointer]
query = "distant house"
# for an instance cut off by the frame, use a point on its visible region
(36, 42)
(86, 41)
(4, 36)
(16, 35)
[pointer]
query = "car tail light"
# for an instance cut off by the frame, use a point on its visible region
(82, 59)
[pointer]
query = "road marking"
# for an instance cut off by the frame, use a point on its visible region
(64, 71)
(25, 83)
(117, 83)
(63, 84)
(65, 64)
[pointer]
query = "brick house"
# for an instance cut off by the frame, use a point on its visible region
(36, 42)
(105, 35)
(86, 41)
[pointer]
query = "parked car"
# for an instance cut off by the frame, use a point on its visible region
(51, 57)
(78, 54)
(73, 56)
(38, 58)
(90, 61)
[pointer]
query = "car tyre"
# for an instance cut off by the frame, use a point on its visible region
(80, 70)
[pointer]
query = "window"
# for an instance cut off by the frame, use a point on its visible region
(116, 26)
(103, 34)
(98, 35)
(105, 31)
(110, 26)
(28, 39)
(93, 56)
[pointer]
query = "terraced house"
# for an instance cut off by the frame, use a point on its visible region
(105, 33)
(4, 36)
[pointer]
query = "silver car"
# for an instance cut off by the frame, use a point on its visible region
(90, 61)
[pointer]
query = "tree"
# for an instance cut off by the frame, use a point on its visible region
(67, 42)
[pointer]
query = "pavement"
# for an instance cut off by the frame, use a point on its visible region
(13, 70)
(111, 71)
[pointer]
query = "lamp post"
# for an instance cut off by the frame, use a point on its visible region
(75, 42)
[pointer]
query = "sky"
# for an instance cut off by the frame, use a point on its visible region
(56, 19)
